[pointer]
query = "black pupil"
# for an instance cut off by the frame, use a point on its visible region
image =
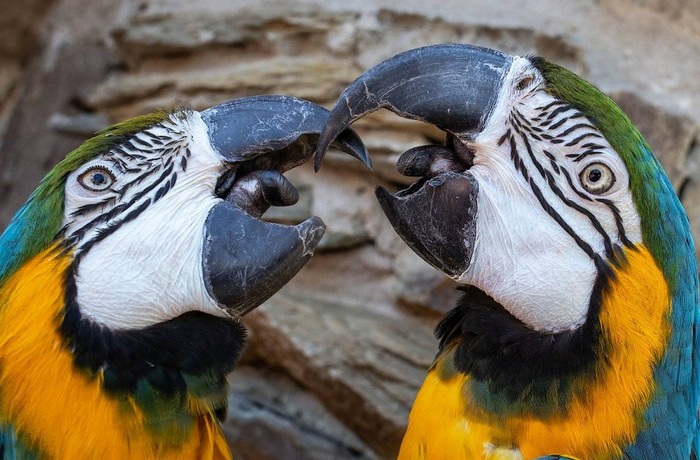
(595, 175)
(99, 179)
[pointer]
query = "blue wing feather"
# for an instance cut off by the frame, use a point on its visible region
(671, 420)
(12, 448)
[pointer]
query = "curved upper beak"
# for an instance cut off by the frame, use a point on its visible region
(245, 259)
(287, 127)
(454, 87)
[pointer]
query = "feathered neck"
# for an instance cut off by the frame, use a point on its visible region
(514, 369)
(65, 403)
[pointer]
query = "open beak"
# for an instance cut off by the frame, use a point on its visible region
(245, 259)
(454, 87)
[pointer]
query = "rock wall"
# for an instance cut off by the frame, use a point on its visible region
(335, 359)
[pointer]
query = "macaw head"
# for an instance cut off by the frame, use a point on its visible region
(542, 191)
(529, 198)
(160, 216)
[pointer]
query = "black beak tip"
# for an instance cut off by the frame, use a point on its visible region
(347, 141)
(318, 156)
(381, 193)
(389, 203)
(310, 232)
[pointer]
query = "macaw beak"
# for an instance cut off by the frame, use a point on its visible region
(454, 87)
(245, 259)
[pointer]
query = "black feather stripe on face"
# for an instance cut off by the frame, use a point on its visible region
(556, 114)
(148, 165)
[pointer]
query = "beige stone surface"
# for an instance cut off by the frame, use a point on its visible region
(364, 366)
(266, 404)
(201, 86)
(669, 135)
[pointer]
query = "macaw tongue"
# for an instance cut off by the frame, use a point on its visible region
(431, 160)
(428, 161)
(256, 191)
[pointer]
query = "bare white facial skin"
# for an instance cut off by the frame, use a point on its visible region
(525, 258)
(149, 269)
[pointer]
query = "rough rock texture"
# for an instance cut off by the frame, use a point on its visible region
(273, 417)
(364, 366)
(19, 27)
(669, 135)
(336, 357)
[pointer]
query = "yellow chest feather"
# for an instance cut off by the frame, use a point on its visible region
(53, 406)
(598, 423)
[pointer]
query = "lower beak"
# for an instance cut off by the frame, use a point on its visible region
(437, 220)
(247, 260)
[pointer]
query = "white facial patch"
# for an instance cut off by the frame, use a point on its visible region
(149, 268)
(526, 262)
(539, 227)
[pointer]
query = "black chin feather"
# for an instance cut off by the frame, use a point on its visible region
(497, 349)
(164, 355)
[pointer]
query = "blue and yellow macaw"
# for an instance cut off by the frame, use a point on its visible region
(125, 274)
(577, 333)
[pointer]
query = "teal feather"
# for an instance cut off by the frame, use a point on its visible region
(12, 448)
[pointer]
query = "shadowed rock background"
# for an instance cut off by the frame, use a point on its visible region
(335, 359)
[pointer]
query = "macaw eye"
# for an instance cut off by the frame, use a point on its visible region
(97, 179)
(597, 178)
